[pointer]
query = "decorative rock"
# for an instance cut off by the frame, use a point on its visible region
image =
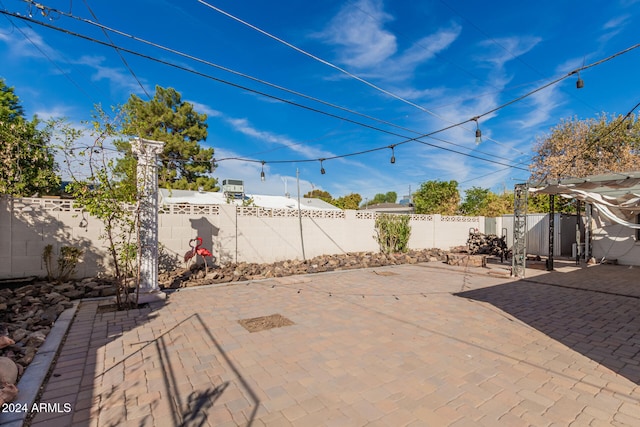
(108, 291)
(29, 354)
(74, 294)
(8, 371)
(8, 393)
(50, 315)
(5, 341)
(19, 334)
(53, 298)
(35, 339)
(68, 286)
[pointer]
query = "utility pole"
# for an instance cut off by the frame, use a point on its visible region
(304, 258)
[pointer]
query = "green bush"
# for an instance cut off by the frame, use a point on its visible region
(392, 232)
(67, 262)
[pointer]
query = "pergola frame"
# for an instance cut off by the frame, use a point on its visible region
(618, 193)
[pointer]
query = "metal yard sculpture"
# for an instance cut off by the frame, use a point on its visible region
(197, 249)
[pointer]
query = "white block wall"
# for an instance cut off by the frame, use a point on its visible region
(248, 234)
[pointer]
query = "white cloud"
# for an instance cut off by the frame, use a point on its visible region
(617, 22)
(364, 45)
(429, 46)
(204, 109)
(358, 30)
(54, 112)
(570, 65)
(502, 50)
(29, 45)
(540, 106)
(245, 127)
(119, 78)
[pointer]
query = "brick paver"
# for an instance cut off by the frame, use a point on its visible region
(426, 345)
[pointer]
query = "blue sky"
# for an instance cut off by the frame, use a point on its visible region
(396, 70)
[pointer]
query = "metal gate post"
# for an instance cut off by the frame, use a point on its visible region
(519, 259)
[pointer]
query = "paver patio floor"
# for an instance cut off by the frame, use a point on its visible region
(419, 345)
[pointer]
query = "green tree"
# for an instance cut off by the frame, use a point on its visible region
(319, 194)
(389, 197)
(578, 148)
(483, 202)
(350, 201)
(104, 195)
(10, 107)
(475, 201)
(539, 203)
(378, 198)
(437, 197)
(27, 166)
(185, 165)
(498, 205)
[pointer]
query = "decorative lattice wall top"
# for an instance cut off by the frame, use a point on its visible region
(26, 204)
(190, 209)
(286, 213)
(460, 219)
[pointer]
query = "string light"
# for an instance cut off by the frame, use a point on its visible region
(105, 28)
(579, 84)
(478, 131)
(393, 154)
(262, 177)
(322, 171)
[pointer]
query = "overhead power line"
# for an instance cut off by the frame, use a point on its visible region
(122, 58)
(342, 70)
(106, 28)
(407, 140)
(243, 75)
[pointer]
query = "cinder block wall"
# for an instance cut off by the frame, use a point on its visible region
(234, 234)
(28, 225)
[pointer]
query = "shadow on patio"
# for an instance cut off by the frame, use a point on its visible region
(592, 310)
(164, 359)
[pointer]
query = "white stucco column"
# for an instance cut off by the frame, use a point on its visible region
(147, 152)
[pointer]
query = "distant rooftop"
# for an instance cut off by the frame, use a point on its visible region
(170, 197)
(389, 208)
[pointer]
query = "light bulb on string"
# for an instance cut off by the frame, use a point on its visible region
(393, 154)
(580, 82)
(478, 132)
(262, 177)
(322, 171)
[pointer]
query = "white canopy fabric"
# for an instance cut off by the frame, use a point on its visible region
(616, 195)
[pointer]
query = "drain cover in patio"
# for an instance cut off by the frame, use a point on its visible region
(263, 323)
